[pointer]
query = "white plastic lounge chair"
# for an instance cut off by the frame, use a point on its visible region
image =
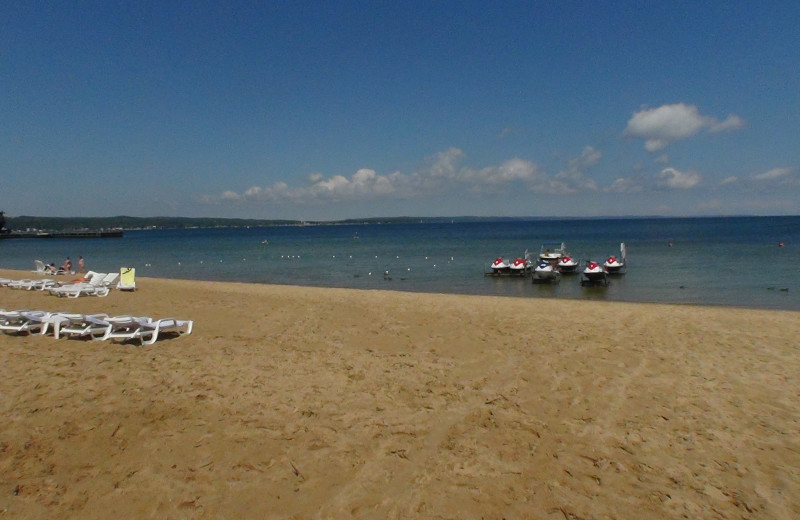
(119, 327)
(94, 287)
(148, 333)
(110, 279)
(90, 277)
(46, 321)
(17, 284)
(30, 285)
(127, 279)
(43, 284)
(5, 281)
(10, 317)
(81, 325)
(25, 321)
(79, 289)
(86, 278)
(144, 329)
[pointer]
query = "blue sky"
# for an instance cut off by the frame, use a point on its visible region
(331, 110)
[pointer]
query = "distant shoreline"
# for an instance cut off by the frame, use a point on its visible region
(32, 224)
(64, 234)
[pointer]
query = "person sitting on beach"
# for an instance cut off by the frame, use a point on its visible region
(67, 267)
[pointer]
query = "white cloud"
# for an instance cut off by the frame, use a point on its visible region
(529, 174)
(774, 174)
(230, 195)
(668, 123)
(729, 180)
(440, 173)
(444, 164)
(667, 178)
(733, 122)
(573, 178)
(276, 192)
(625, 185)
(363, 184)
(506, 173)
(336, 184)
(588, 158)
(674, 179)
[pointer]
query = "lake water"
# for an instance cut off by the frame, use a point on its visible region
(715, 261)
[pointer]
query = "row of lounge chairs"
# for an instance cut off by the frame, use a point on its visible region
(92, 284)
(145, 330)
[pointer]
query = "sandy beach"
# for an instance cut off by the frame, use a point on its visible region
(290, 402)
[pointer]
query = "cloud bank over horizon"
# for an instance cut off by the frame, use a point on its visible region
(439, 173)
(446, 171)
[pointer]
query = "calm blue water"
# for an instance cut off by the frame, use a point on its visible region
(718, 261)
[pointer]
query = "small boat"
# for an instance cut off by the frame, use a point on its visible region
(545, 272)
(501, 266)
(594, 274)
(552, 251)
(520, 266)
(616, 264)
(568, 265)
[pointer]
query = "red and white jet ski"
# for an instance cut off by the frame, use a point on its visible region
(500, 266)
(594, 274)
(567, 264)
(520, 266)
(616, 264)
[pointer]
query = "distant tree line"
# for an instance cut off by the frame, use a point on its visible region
(23, 223)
